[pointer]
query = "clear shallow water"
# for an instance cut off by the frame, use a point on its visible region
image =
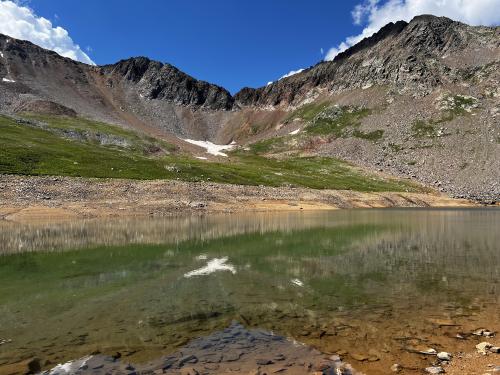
(370, 283)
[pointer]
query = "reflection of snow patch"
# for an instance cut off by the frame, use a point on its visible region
(297, 282)
(8, 80)
(212, 148)
(214, 265)
(70, 367)
(295, 132)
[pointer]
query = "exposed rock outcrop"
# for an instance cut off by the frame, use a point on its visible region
(154, 80)
(410, 57)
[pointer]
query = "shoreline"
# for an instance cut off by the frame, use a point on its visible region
(45, 197)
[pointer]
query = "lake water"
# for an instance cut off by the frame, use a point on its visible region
(372, 285)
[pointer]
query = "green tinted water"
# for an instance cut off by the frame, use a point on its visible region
(326, 278)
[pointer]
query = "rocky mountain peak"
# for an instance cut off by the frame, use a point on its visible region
(406, 56)
(391, 29)
(156, 80)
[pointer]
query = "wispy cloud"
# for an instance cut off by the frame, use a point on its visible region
(21, 22)
(292, 73)
(375, 14)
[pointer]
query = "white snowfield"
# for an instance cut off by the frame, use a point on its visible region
(214, 265)
(295, 132)
(7, 80)
(212, 148)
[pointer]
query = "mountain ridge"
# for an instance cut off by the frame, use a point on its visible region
(213, 96)
(417, 99)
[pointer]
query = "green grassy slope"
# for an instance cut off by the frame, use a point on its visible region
(48, 150)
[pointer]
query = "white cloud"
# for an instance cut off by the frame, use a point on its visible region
(22, 23)
(289, 74)
(293, 72)
(375, 14)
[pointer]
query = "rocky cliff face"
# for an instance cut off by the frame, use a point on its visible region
(413, 57)
(154, 80)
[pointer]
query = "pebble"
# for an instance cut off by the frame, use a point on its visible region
(483, 332)
(429, 351)
(483, 347)
(264, 362)
(444, 356)
(396, 367)
(360, 357)
(435, 370)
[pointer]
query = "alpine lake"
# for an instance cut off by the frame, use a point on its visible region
(374, 286)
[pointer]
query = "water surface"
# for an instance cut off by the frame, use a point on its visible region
(369, 284)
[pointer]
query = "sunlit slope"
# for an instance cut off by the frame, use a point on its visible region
(80, 147)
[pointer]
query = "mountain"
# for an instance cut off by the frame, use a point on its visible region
(417, 100)
(138, 93)
(412, 58)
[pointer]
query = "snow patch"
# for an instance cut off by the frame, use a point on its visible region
(214, 265)
(295, 132)
(297, 282)
(212, 148)
(1, 55)
(8, 80)
(201, 157)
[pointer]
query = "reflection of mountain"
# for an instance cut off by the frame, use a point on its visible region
(40, 236)
(456, 226)
(290, 269)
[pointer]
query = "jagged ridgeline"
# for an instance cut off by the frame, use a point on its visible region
(418, 100)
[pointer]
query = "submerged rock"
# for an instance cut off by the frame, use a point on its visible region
(233, 348)
(396, 367)
(483, 347)
(444, 356)
(34, 366)
(434, 370)
(483, 332)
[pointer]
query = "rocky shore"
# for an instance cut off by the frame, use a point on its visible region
(237, 350)
(34, 197)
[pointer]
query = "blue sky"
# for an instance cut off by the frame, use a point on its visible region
(228, 42)
(233, 43)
